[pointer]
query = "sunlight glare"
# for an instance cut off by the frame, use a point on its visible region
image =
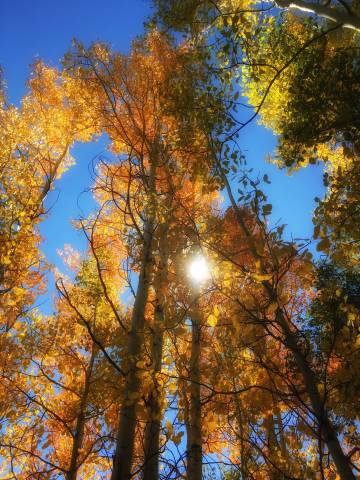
(199, 269)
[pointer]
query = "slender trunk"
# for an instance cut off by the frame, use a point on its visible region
(272, 447)
(186, 401)
(152, 431)
(194, 466)
(125, 444)
(80, 422)
(127, 424)
(330, 437)
(240, 421)
(283, 447)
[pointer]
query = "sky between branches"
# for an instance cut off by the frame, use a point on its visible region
(44, 29)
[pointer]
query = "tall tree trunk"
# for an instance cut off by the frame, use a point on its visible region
(125, 444)
(330, 437)
(194, 441)
(152, 430)
(240, 422)
(282, 442)
(272, 448)
(80, 422)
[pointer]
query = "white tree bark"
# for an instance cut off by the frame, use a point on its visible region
(153, 428)
(344, 18)
(125, 444)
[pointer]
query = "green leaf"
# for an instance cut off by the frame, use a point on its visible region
(266, 209)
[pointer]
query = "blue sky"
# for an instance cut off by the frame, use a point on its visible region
(44, 29)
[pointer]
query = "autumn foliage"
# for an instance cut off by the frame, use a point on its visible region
(247, 370)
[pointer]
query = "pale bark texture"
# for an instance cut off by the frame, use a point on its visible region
(125, 445)
(345, 18)
(127, 426)
(152, 431)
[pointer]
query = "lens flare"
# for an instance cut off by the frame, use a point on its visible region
(199, 270)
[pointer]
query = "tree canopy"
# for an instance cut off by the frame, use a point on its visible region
(191, 339)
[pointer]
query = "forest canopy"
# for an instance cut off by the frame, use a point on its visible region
(192, 338)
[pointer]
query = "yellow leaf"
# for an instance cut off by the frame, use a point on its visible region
(272, 307)
(177, 438)
(324, 244)
(352, 429)
(169, 429)
(212, 320)
(262, 277)
(227, 283)
(168, 360)
(172, 388)
(180, 330)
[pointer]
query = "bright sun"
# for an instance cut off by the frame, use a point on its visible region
(199, 269)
